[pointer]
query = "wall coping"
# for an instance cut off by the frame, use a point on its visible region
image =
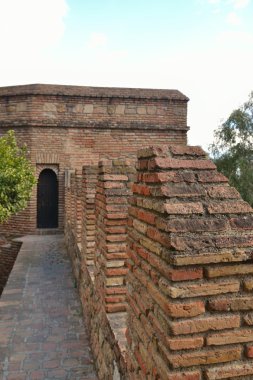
(93, 92)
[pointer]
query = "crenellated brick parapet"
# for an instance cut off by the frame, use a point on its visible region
(112, 194)
(89, 183)
(78, 206)
(190, 281)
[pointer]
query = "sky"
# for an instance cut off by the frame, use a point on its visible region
(204, 48)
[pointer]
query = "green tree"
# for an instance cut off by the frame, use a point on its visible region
(232, 149)
(16, 177)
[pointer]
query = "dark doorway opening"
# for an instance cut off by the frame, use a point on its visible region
(47, 200)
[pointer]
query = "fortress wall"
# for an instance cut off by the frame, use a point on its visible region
(189, 281)
(190, 278)
(70, 126)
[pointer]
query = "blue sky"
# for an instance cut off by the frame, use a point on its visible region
(202, 47)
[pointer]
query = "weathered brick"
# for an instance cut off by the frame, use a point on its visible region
(233, 241)
(232, 207)
(248, 319)
(184, 208)
(189, 243)
(205, 324)
(223, 192)
(230, 337)
(185, 343)
(172, 176)
(156, 235)
(206, 357)
(229, 270)
(212, 176)
(186, 274)
(248, 284)
(179, 310)
(193, 375)
(194, 151)
(191, 225)
(242, 223)
(229, 371)
(113, 185)
(211, 257)
(114, 177)
(249, 352)
(232, 303)
(181, 190)
(146, 216)
(168, 163)
(201, 289)
(140, 226)
(141, 189)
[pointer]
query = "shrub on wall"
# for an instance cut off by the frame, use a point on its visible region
(16, 176)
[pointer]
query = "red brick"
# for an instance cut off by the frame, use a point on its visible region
(194, 151)
(186, 274)
(249, 352)
(230, 371)
(146, 216)
(185, 343)
(194, 375)
(232, 207)
(191, 225)
(242, 223)
(205, 324)
(184, 208)
(207, 357)
(168, 163)
(212, 176)
(233, 303)
(181, 190)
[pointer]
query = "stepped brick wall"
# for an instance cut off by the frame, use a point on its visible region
(189, 312)
(90, 177)
(107, 338)
(71, 126)
(190, 247)
(111, 204)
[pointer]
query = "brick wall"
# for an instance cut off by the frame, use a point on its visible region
(90, 177)
(189, 284)
(49, 105)
(73, 126)
(190, 278)
(8, 255)
(111, 205)
(106, 339)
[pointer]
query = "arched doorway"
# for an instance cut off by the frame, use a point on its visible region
(47, 200)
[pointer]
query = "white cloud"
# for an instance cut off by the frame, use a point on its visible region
(28, 26)
(233, 19)
(97, 40)
(239, 4)
(239, 38)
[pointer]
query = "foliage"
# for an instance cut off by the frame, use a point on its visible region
(232, 149)
(16, 177)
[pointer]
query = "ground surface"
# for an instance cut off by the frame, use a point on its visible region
(42, 335)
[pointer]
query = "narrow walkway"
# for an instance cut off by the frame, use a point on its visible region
(42, 335)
